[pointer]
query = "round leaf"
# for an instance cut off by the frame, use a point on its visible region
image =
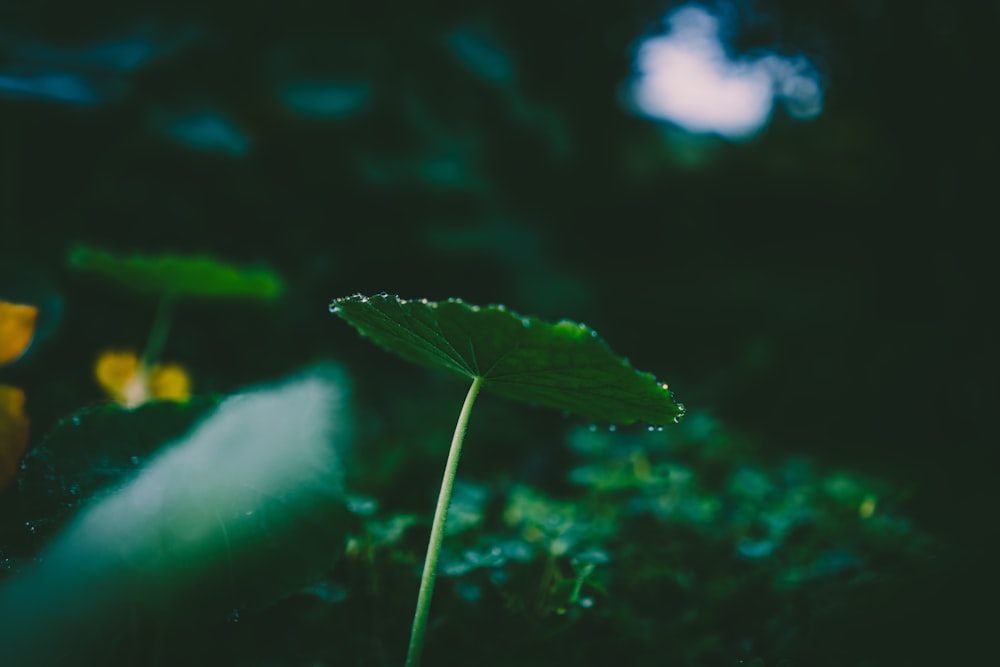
(565, 365)
(203, 277)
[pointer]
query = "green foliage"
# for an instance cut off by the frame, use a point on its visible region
(93, 452)
(685, 545)
(565, 365)
(193, 277)
(246, 507)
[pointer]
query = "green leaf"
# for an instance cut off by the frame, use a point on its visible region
(244, 509)
(565, 365)
(199, 277)
(89, 453)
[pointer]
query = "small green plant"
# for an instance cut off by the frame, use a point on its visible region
(565, 366)
(130, 379)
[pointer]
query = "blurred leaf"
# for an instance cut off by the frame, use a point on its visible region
(205, 130)
(128, 382)
(564, 365)
(327, 99)
(90, 453)
(17, 327)
(245, 509)
(13, 432)
(197, 277)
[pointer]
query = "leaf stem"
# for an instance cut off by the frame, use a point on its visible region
(158, 333)
(437, 529)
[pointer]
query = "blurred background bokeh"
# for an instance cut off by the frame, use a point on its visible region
(781, 208)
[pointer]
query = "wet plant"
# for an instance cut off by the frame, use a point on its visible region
(564, 365)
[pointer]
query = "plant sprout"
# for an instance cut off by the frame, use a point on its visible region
(132, 380)
(565, 365)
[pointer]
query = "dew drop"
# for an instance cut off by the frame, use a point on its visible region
(75, 420)
(650, 428)
(592, 428)
(334, 309)
(586, 602)
(383, 294)
(475, 309)
(659, 429)
(665, 386)
(502, 308)
(613, 428)
(32, 528)
(424, 301)
(525, 322)
(364, 299)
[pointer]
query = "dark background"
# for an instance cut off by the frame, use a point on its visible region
(825, 287)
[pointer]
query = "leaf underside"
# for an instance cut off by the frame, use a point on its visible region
(199, 277)
(565, 365)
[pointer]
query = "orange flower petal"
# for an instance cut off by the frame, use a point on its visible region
(13, 432)
(17, 327)
(170, 382)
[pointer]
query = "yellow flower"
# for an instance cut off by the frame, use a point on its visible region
(17, 327)
(13, 432)
(130, 383)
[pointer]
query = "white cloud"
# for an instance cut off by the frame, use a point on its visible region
(686, 77)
